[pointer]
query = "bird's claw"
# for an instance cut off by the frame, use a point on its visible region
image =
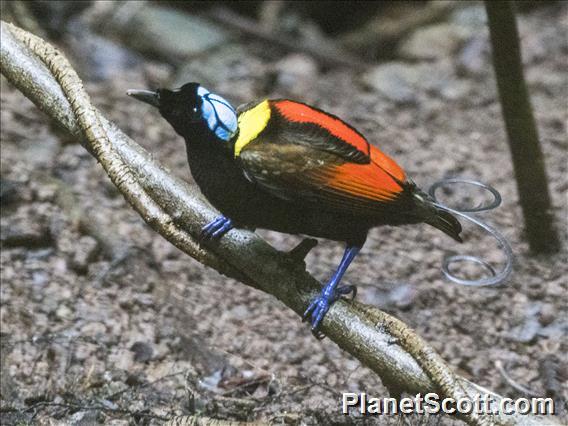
(318, 334)
(344, 291)
(317, 309)
(216, 229)
(321, 304)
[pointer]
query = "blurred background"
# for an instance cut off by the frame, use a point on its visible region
(102, 321)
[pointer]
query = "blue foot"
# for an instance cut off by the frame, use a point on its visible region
(331, 292)
(321, 304)
(216, 229)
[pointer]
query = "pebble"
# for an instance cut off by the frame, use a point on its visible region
(11, 191)
(86, 250)
(434, 42)
(527, 331)
(63, 312)
(456, 89)
(394, 80)
(19, 232)
(473, 17)
(403, 83)
(83, 418)
(143, 352)
(93, 329)
(106, 58)
(169, 33)
(40, 155)
(400, 296)
(547, 314)
(295, 73)
(473, 59)
(224, 67)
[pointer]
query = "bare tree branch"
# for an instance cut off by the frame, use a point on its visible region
(402, 359)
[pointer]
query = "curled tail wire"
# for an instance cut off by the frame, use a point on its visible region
(497, 277)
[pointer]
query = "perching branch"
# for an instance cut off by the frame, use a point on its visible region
(522, 134)
(402, 359)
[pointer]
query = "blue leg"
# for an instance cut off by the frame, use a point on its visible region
(330, 293)
(217, 228)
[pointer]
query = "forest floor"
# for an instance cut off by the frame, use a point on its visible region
(103, 320)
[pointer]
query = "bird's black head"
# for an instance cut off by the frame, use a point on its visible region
(192, 109)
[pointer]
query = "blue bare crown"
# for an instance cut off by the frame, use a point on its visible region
(220, 116)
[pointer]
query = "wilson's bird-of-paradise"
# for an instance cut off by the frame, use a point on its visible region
(289, 167)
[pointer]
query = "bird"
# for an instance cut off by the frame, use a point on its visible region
(286, 166)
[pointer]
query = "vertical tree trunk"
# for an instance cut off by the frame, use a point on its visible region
(528, 161)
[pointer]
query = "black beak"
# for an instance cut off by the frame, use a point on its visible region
(147, 96)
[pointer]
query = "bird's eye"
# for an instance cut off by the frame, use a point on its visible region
(195, 113)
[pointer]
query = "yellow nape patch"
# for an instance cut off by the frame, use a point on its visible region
(251, 123)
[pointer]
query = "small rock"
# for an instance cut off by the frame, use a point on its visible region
(63, 312)
(456, 89)
(40, 155)
(547, 314)
(402, 296)
(526, 332)
(211, 382)
(134, 379)
(86, 250)
(54, 16)
(83, 418)
(226, 64)
(45, 192)
(10, 191)
(260, 392)
(83, 352)
(169, 33)
(297, 64)
(474, 57)
(240, 312)
(40, 279)
(143, 352)
(109, 404)
(434, 42)
(473, 17)
(20, 231)
(106, 58)
(394, 80)
(93, 329)
(80, 418)
(49, 303)
(557, 330)
(295, 73)
(117, 422)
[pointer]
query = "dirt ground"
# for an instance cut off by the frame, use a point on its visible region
(103, 321)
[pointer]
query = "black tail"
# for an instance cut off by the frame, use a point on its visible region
(427, 210)
(445, 222)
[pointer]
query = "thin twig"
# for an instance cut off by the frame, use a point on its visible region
(522, 389)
